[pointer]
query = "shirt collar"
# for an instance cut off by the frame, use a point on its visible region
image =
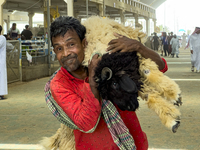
(69, 76)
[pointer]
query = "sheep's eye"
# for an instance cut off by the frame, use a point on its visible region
(115, 85)
(146, 71)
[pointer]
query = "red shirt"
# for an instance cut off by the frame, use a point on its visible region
(75, 97)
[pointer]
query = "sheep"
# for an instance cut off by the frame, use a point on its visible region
(159, 91)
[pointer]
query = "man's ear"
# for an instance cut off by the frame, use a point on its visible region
(84, 43)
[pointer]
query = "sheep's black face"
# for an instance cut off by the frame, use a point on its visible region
(118, 79)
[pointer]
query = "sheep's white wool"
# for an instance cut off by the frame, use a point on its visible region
(100, 31)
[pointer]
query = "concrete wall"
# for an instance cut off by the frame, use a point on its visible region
(37, 71)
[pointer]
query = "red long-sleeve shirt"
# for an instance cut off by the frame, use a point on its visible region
(75, 97)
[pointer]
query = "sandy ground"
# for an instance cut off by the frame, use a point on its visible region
(25, 118)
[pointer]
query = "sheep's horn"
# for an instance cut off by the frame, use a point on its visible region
(106, 73)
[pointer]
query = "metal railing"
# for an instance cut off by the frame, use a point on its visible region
(13, 61)
(26, 54)
(38, 50)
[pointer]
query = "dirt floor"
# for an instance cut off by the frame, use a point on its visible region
(25, 118)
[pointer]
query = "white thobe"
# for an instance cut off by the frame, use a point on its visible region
(183, 41)
(195, 46)
(175, 46)
(3, 69)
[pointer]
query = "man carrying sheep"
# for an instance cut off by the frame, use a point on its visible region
(75, 91)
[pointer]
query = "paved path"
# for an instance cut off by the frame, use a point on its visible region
(25, 118)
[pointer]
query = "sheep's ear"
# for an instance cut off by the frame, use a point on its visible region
(127, 84)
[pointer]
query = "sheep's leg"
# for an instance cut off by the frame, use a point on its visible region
(173, 93)
(62, 140)
(168, 113)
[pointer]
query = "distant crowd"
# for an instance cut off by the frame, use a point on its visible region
(168, 44)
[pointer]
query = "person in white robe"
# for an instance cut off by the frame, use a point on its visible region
(175, 46)
(183, 43)
(194, 43)
(3, 69)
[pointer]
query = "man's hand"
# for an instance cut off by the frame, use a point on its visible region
(91, 68)
(191, 51)
(123, 44)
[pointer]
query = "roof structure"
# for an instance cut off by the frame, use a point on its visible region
(153, 3)
(37, 6)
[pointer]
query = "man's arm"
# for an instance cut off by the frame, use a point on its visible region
(191, 46)
(3, 41)
(80, 105)
(8, 35)
(18, 36)
(125, 44)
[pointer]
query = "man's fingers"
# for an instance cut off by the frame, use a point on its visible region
(112, 46)
(116, 49)
(95, 56)
(118, 35)
(113, 41)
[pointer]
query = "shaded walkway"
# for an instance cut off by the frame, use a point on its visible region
(25, 118)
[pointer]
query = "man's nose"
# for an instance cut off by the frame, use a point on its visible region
(66, 52)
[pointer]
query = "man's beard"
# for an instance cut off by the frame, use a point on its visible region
(71, 65)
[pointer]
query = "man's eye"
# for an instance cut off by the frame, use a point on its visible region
(59, 49)
(71, 45)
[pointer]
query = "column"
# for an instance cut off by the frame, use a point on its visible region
(136, 20)
(102, 10)
(8, 23)
(154, 21)
(122, 17)
(70, 7)
(2, 2)
(30, 15)
(147, 26)
(45, 15)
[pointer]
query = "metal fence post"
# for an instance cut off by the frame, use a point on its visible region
(48, 29)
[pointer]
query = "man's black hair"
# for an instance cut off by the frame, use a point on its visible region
(63, 24)
(0, 28)
(26, 26)
(14, 24)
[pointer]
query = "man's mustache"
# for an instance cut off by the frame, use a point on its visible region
(68, 57)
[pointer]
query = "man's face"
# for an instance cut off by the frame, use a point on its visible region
(69, 50)
(14, 27)
(198, 31)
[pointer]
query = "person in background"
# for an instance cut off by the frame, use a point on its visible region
(151, 39)
(194, 44)
(148, 42)
(169, 45)
(155, 41)
(27, 33)
(3, 69)
(184, 40)
(174, 42)
(13, 32)
(165, 43)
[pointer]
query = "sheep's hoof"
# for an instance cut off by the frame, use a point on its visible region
(175, 127)
(179, 101)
